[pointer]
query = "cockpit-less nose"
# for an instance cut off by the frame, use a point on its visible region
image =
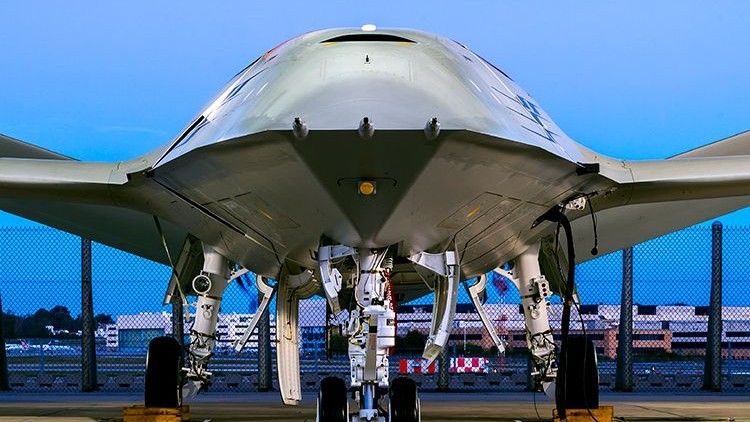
(372, 167)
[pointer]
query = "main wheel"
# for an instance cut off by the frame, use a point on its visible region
(582, 386)
(162, 373)
(404, 401)
(333, 405)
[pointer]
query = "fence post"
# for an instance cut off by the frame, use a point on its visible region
(264, 350)
(712, 368)
(443, 366)
(624, 376)
(4, 383)
(88, 329)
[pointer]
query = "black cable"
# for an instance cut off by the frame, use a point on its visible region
(595, 249)
(569, 285)
(536, 409)
(556, 215)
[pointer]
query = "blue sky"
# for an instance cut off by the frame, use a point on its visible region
(108, 81)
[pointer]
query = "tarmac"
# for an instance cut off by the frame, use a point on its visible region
(436, 407)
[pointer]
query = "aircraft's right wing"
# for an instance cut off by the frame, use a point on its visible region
(657, 197)
(78, 197)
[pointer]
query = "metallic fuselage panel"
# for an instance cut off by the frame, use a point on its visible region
(463, 188)
(498, 163)
(399, 85)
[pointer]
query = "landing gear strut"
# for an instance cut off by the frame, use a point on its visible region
(209, 285)
(534, 290)
(578, 362)
(371, 328)
(371, 331)
(167, 383)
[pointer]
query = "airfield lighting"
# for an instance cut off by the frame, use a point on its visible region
(367, 187)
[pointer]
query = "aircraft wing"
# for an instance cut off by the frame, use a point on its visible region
(78, 197)
(657, 197)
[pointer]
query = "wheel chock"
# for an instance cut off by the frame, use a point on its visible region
(602, 414)
(155, 414)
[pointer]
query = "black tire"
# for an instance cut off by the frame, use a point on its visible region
(333, 404)
(162, 379)
(582, 374)
(404, 400)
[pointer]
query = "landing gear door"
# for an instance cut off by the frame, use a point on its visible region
(189, 263)
(291, 289)
(445, 265)
(475, 291)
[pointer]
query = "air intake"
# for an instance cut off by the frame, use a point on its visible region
(368, 37)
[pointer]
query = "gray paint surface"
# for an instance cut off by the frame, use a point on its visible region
(237, 178)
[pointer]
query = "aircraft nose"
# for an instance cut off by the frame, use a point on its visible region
(398, 85)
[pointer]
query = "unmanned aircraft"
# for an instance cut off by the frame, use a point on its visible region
(371, 166)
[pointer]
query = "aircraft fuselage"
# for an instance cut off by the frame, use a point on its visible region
(476, 176)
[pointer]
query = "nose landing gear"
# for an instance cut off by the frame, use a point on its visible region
(403, 402)
(370, 329)
(333, 404)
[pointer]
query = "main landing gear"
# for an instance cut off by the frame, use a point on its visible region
(168, 379)
(577, 364)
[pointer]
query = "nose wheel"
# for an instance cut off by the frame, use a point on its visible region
(333, 405)
(404, 401)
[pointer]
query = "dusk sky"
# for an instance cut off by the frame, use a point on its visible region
(124, 283)
(109, 81)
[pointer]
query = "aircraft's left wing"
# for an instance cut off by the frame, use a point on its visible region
(653, 198)
(78, 197)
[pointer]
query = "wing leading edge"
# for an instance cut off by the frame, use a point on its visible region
(654, 198)
(84, 198)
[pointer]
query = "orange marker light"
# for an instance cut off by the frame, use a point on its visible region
(366, 187)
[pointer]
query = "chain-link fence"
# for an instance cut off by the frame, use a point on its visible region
(678, 327)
